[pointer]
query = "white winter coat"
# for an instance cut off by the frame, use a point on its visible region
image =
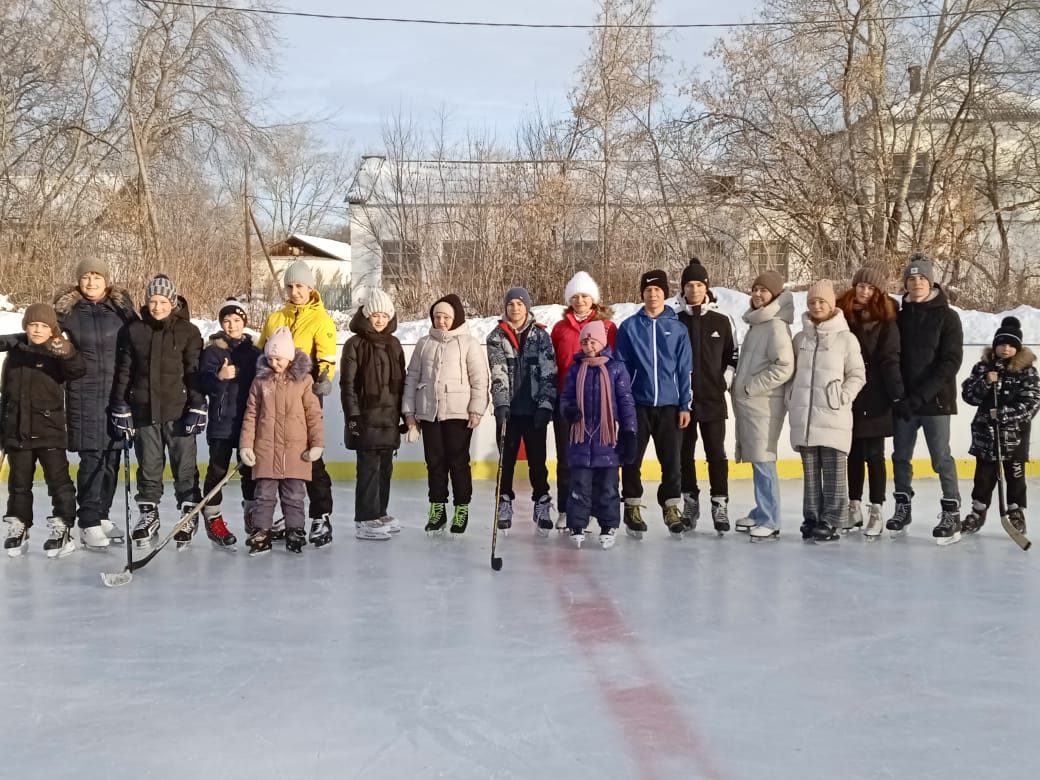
(828, 376)
(447, 377)
(765, 365)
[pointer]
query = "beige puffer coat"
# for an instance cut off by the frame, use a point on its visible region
(828, 376)
(765, 365)
(447, 377)
(283, 420)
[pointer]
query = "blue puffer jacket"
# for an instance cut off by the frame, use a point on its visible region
(227, 397)
(656, 351)
(589, 453)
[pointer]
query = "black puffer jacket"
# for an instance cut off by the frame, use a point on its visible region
(932, 347)
(32, 405)
(157, 366)
(1017, 401)
(227, 397)
(93, 327)
(373, 360)
(714, 350)
(879, 344)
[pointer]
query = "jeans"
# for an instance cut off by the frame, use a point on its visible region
(372, 489)
(766, 511)
(96, 484)
(937, 437)
(150, 445)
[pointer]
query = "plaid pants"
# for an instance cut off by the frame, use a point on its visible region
(825, 489)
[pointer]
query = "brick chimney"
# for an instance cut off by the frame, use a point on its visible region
(915, 79)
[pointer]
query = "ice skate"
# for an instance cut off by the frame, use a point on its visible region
(720, 514)
(321, 531)
(607, 537)
(94, 538)
(247, 517)
(437, 518)
(948, 531)
(460, 519)
(875, 523)
(806, 529)
(543, 515)
(854, 521)
(577, 536)
(391, 523)
(371, 530)
(673, 520)
(634, 524)
(975, 519)
(691, 512)
(1017, 518)
(17, 537)
(561, 522)
(259, 542)
(505, 513)
(824, 532)
(218, 533)
(147, 527)
(763, 533)
(295, 540)
(278, 529)
(184, 536)
(59, 543)
(744, 524)
(114, 533)
(898, 522)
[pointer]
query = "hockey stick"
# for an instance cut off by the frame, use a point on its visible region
(1017, 536)
(496, 562)
(116, 579)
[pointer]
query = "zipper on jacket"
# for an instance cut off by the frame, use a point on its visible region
(654, 340)
(812, 383)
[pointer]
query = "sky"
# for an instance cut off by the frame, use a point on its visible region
(355, 74)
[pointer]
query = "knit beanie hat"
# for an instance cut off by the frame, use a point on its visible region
(655, 278)
(298, 273)
(454, 303)
(823, 289)
(92, 265)
(694, 272)
(581, 283)
(378, 302)
(280, 345)
(231, 306)
(771, 280)
(873, 274)
(919, 264)
(594, 329)
(514, 293)
(42, 312)
(1009, 332)
(161, 285)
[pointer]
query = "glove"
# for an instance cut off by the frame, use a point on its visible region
(904, 408)
(413, 434)
(323, 386)
(195, 421)
(572, 414)
(542, 417)
(60, 347)
(313, 453)
(123, 420)
(626, 447)
(501, 415)
(247, 456)
(354, 427)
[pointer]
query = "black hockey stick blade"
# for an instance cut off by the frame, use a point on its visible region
(1017, 536)
(496, 562)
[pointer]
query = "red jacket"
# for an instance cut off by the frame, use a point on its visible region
(566, 340)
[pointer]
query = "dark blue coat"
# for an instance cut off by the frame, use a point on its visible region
(93, 328)
(227, 397)
(589, 453)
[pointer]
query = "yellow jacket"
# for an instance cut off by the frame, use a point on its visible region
(312, 328)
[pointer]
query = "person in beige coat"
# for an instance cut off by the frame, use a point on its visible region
(765, 365)
(829, 374)
(282, 435)
(445, 395)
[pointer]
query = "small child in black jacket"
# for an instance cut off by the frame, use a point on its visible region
(32, 427)
(1005, 386)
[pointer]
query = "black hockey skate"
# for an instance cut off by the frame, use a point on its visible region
(898, 522)
(295, 540)
(17, 537)
(807, 530)
(187, 532)
(634, 523)
(460, 520)
(825, 532)
(1017, 518)
(278, 529)
(437, 518)
(259, 542)
(975, 519)
(691, 511)
(948, 531)
(218, 533)
(321, 531)
(720, 514)
(147, 527)
(673, 521)
(505, 513)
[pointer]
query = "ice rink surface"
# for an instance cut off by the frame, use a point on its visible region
(700, 658)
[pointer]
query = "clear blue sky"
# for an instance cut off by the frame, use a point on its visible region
(359, 72)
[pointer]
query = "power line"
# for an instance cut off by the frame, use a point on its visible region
(561, 26)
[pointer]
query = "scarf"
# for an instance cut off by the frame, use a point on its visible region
(379, 373)
(607, 428)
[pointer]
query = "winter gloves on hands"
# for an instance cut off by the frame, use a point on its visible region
(626, 447)
(247, 456)
(313, 454)
(195, 421)
(542, 416)
(60, 347)
(413, 434)
(572, 414)
(323, 386)
(122, 420)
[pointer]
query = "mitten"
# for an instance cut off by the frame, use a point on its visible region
(323, 386)
(626, 447)
(542, 417)
(313, 453)
(60, 347)
(247, 456)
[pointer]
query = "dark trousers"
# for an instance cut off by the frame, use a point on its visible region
(825, 487)
(986, 481)
(522, 428)
(219, 461)
(151, 443)
(96, 483)
(55, 465)
(446, 448)
(372, 489)
(319, 490)
(268, 492)
(562, 432)
(713, 434)
(594, 492)
(660, 423)
(867, 455)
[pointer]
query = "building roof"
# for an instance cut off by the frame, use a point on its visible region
(989, 103)
(316, 247)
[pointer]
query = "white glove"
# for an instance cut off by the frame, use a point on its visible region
(413, 434)
(247, 456)
(313, 453)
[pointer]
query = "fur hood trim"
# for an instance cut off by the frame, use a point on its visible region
(298, 369)
(118, 296)
(1022, 360)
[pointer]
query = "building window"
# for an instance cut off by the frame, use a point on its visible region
(402, 261)
(769, 254)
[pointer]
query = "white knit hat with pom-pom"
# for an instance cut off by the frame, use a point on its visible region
(581, 283)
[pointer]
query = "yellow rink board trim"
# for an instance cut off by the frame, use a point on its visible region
(486, 469)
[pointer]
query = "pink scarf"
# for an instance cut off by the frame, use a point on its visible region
(607, 432)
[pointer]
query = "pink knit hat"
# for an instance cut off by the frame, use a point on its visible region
(280, 345)
(594, 329)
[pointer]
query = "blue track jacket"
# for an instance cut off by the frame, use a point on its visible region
(657, 354)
